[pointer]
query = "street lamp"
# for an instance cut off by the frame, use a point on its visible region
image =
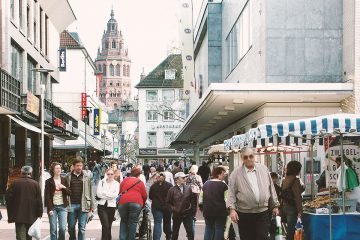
(42, 96)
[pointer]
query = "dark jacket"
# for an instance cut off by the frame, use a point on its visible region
(23, 201)
(157, 195)
(204, 172)
(181, 203)
(50, 190)
(297, 189)
(214, 198)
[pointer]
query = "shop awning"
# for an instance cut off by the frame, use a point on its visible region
(224, 104)
(79, 143)
(336, 123)
(25, 124)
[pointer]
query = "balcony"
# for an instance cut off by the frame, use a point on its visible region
(9, 94)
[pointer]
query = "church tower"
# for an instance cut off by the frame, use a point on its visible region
(114, 62)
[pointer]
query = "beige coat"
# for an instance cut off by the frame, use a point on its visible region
(242, 198)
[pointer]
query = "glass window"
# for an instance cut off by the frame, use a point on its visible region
(104, 70)
(124, 70)
(12, 9)
(151, 116)
(167, 138)
(169, 95)
(113, 44)
(28, 22)
(41, 30)
(151, 95)
(111, 70)
(239, 40)
(16, 62)
(168, 116)
(46, 35)
(128, 71)
(151, 139)
(31, 75)
(118, 70)
(21, 20)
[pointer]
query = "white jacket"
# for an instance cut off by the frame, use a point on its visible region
(108, 192)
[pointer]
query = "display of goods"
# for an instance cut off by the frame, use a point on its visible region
(319, 202)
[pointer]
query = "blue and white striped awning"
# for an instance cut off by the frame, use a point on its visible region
(283, 131)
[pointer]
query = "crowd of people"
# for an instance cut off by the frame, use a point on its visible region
(249, 196)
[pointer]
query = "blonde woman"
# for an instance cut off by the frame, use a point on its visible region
(107, 191)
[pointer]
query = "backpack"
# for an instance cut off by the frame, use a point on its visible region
(287, 194)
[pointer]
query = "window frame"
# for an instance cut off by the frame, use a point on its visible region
(156, 97)
(153, 116)
(168, 90)
(168, 118)
(165, 136)
(148, 142)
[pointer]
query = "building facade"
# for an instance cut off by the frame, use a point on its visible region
(161, 110)
(114, 62)
(79, 72)
(29, 63)
(262, 61)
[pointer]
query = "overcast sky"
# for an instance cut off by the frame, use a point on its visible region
(150, 28)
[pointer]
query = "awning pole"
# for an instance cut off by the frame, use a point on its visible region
(330, 208)
(312, 141)
(342, 171)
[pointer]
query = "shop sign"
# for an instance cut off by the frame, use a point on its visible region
(32, 104)
(166, 151)
(332, 150)
(83, 106)
(59, 123)
(97, 121)
(62, 59)
(168, 126)
(147, 151)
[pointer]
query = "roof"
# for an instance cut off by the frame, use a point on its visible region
(70, 40)
(156, 78)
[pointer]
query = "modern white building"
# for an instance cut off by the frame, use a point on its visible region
(30, 38)
(161, 109)
(77, 95)
(261, 62)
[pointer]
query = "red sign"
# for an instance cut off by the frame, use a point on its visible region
(83, 105)
(58, 123)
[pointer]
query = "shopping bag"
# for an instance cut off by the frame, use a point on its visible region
(227, 228)
(35, 229)
(278, 231)
(299, 230)
(351, 179)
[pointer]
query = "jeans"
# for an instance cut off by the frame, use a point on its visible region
(291, 217)
(129, 213)
(21, 230)
(214, 227)
(159, 217)
(254, 226)
(106, 215)
(59, 214)
(76, 215)
(188, 224)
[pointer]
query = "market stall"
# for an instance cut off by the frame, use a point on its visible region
(318, 134)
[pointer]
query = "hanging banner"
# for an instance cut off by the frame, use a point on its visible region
(96, 121)
(62, 59)
(83, 106)
(99, 77)
(187, 45)
(351, 155)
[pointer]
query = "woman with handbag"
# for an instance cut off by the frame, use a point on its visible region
(107, 191)
(56, 201)
(132, 199)
(291, 199)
